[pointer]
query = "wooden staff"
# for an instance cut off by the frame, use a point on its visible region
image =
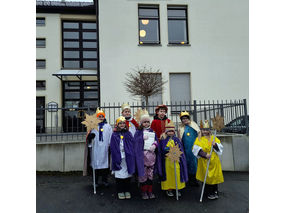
(208, 162)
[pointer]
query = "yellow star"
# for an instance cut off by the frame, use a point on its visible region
(174, 153)
(91, 122)
(102, 130)
(129, 125)
(121, 136)
(188, 134)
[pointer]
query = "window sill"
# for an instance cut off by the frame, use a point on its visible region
(180, 45)
(152, 45)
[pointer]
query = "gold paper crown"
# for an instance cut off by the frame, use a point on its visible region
(169, 126)
(125, 106)
(141, 115)
(204, 125)
(100, 112)
(120, 119)
(184, 113)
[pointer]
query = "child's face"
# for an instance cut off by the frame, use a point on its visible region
(146, 124)
(101, 118)
(161, 113)
(205, 132)
(121, 125)
(126, 113)
(171, 133)
(185, 120)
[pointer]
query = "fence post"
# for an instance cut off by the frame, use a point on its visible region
(246, 116)
(194, 111)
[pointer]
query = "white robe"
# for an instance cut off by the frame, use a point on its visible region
(132, 127)
(123, 172)
(99, 151)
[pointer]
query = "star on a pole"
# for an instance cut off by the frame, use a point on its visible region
(174, 153)
(91, 122)
(218, 122)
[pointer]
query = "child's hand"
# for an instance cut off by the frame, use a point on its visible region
(145, 137)
(152, 148)
(208, 156)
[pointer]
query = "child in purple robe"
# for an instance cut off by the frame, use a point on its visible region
(166, 168)
(145, 157)
(123, 157)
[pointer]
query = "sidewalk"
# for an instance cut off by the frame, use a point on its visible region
(74, 194)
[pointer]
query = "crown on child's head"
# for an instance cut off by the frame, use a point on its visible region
(120, 119)
(100, 112)
(125, 106)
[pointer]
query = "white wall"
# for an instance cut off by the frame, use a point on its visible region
(217, 58)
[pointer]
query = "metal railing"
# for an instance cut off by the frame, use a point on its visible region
(64, 124)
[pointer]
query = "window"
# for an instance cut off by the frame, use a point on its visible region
(40, 21)
(40, 63)
(177, 25)
(180, 91)
(40, 85)
(149, 24)
(40, 115)
(79, 45)
(40, 42)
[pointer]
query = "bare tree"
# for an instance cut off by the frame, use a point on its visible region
(144, 82)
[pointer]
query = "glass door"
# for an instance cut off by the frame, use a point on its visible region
(78, 97)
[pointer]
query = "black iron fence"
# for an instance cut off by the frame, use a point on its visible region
(64, 124)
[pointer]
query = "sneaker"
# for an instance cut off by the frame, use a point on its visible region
(151, 195)
(169, 193)
(121, 196)
(216, 194)
(127, 195)
(145, 196)
(212, 196)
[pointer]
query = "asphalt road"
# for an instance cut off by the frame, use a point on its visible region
(72, 193)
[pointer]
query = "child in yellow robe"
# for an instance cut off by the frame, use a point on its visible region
(166, 168)
(201, 149)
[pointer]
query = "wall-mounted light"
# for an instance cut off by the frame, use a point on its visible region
(182, 42)
(88, 87)
(142, 33)
(145, 21)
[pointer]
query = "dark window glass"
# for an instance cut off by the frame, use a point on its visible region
(71, 95)
(71, 54)
(177, 25)
(72, 85)
(40, 64)
(71, 64)
(40, 21)
(89, 44)
(40, 42)
(90, 64)
(149, 24)
(71, 35)
(71, 44)
(79, 44)
(89, 26)
(90, 94)
(88, 35)
(90, 54)
(40, 85)
(70, 25)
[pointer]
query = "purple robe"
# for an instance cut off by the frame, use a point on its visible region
(161, 160)
(128, 144)
(139, 151)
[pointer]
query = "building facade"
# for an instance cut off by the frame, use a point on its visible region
(84, 51)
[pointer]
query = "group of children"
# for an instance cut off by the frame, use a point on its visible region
(140, 149)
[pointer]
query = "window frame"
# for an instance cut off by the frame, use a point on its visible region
(40, 18)
(43, 39)
(179, 7)
(149, 6)
(37, 60)
(80, 40)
